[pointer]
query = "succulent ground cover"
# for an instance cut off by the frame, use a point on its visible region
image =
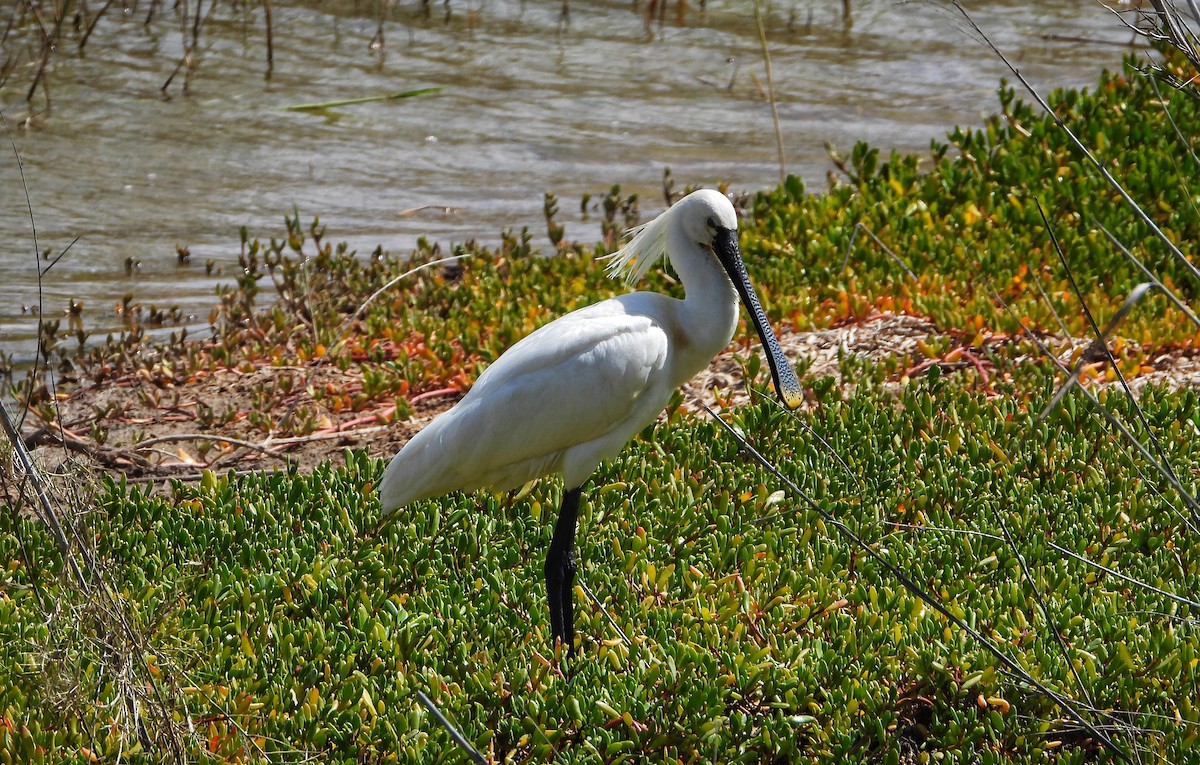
(264, 612)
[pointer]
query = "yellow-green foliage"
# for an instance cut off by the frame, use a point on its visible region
(756, 632)
(972, 218)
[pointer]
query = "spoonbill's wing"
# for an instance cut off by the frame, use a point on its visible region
(595, 375)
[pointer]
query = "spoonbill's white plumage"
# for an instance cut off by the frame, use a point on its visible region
(571, 394)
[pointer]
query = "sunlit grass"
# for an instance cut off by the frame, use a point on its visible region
(754, 630)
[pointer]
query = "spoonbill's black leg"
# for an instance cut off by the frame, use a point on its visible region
(560, 571)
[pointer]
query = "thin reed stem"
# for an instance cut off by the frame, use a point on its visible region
(771, 94)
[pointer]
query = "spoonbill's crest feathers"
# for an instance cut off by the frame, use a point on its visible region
(649, 242)
(648, 245)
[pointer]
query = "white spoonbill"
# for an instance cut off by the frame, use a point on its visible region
(572, 393)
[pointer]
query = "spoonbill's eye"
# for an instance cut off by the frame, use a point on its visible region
(712, 222)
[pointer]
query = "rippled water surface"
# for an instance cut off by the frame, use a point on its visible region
(527, 106)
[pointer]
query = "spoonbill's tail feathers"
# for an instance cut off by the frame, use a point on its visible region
(417, 475)
(439, 459)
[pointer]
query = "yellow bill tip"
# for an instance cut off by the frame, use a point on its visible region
(791, 396)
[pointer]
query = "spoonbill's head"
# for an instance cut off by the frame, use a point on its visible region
(704, 214)
(706, 218)
(699, 218)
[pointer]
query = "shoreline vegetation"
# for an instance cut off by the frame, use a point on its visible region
(937, 239)
(260, 613)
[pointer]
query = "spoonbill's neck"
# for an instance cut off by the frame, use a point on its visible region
(710, 305)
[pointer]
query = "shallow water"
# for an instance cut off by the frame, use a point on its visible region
(527, 107)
